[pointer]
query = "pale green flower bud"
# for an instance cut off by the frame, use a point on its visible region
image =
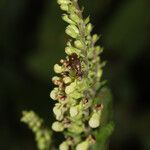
(58, 126)
(99, 50)
(72, 9)
(54, 93)
(95, 38)
(78, 44)
(94, 121)
(66, 18)
(74, 111)
(83, 146)
(89, 28)
(75, 18)
(87, 20)
(55, 78)
(70, 49)
(77, 129)
(82, 85)
(58, 111)
(72, 31)
(76, 95)
(41, 143)
(58, 68)
(64, 146)
(99, 73)
(67, 80)
(63, 2)
(38, 134)
(74, 28)
(70, 88)
(35, 128)
(64, 7)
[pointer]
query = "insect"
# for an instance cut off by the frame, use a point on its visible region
(75, 63)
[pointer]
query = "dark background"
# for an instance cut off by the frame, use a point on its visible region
(32, 40)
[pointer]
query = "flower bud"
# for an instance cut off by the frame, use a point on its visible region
(87, 20)
(76, 129)
(54, 93)
(94, 121)
(70, 88)
(76, 94)
(78, 44)
(74, 111)
(72, 31)
(83, 146)
(58, 111)
(75, 18)
(70, 49)
(95, 38)
(58, 68)
(38, 134)
(64, 146)
(64, 7)
(67, 80)
(55, 78)
(58, 126)
(66, 18)
(89, 28)
(98, 50)
(99, 73)
(72, 8)
(63, 2)
(41, 143)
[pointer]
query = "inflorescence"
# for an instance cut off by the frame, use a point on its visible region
(35, 123)
(77, 82)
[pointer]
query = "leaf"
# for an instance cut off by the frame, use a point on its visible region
(107, 126)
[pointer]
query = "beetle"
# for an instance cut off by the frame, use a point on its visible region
(75, 63)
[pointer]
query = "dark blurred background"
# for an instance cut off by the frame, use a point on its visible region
(32, 40)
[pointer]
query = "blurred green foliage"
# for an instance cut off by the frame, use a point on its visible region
(32, 40)
(107, 125)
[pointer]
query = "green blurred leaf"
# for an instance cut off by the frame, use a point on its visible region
(107, 126)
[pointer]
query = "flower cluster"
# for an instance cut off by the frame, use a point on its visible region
(77, 82)
(42, 135)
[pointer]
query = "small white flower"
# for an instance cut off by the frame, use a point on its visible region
(70, 88)
(72, 31)
(54, 93)
(95, 38)
(83, 146)
(75, 18)
(58, 111)
(58, 68)
(63, 2)
(67, 80)
(78, 44)
(64, 146)
(64, 7)
(58, 126)
(94, 121)
(89, 28)
(67, 19)
(74, 111)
